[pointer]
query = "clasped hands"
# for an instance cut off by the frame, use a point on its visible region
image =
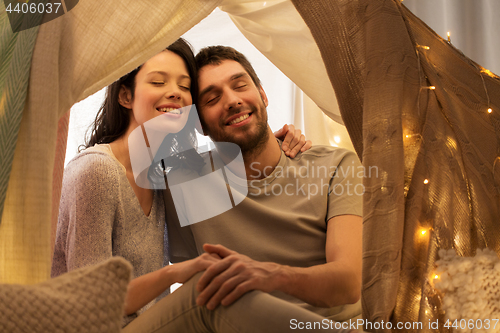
(226, 280)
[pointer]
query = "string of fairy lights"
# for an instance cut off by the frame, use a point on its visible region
(481, 72)
(424, 233)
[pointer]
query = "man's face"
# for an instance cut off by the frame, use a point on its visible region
(232, 108)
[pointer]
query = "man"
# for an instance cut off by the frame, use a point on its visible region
(297, 234)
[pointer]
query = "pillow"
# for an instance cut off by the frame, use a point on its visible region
(469, 288)
(90, 299)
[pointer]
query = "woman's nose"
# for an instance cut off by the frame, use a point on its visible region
(173, 94)
(173, 91)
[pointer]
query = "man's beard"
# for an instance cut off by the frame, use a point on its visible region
(252, 142)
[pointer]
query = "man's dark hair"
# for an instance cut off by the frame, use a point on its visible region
(214, 55)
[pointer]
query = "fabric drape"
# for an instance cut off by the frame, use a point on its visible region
(16, 50)
(418, 110)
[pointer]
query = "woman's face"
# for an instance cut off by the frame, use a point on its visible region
(162, 86)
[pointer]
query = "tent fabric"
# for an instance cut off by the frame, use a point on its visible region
(417, 110)
(15, 61)
(16, 50)
(74, 56)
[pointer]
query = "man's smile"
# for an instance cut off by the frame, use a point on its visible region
(239, 119)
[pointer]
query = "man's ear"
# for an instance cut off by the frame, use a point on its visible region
(125, 97)
(263, 96)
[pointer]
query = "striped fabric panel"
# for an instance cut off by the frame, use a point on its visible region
(15, 61)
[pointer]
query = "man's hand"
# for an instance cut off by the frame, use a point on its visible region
(227, 280)
(293, 140)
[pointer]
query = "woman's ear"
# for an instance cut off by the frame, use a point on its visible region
(125, 97)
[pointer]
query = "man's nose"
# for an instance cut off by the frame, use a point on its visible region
(232, 99)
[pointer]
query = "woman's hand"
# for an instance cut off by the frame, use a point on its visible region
(145, 288)
(293, 140)
(183, 271)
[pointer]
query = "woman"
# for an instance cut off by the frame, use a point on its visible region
(103, 212)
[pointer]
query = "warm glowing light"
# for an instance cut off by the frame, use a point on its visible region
(336, 138)
(432, 87)
(436, 276)
(490, 110)
(449, 39)
(426, 181)
(407, 135)
(424, 233)
(424, 47)
(488, 72)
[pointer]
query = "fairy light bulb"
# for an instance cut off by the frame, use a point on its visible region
(490, 110)
(449, 37)
(488, 72)
(426, 181)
